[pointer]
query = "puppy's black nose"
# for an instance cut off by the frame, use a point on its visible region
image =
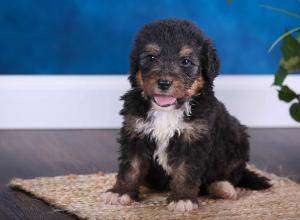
(164, 84)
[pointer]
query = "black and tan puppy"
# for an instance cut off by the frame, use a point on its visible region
(176, 135)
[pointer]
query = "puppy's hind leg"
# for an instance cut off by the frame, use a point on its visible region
(223, 190)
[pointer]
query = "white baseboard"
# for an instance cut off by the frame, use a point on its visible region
(70, 102)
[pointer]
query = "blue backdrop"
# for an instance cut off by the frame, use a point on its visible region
(95, 37)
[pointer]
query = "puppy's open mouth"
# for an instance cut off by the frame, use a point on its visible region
(164, 101)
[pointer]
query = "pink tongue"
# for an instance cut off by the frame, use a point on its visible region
(164, 100)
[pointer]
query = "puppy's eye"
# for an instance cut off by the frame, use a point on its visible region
(152, 58)
(186, 62)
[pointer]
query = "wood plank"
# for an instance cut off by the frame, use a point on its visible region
(19, 205)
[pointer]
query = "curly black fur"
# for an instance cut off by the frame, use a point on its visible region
(214, 148)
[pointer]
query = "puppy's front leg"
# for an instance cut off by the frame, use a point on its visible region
(132, 169)
(184, 189)
(186, 173)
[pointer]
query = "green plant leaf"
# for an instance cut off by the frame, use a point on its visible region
(290, 47)
(291, 65)
(280, 76)
(286, 94)
(282, 37)
(295, 111)
(281, 10)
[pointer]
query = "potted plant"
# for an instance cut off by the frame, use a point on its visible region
(289, 64)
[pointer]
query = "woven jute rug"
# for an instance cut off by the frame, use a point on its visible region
(80, 195)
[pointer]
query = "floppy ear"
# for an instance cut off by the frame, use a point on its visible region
(134, 67)
(210, 61)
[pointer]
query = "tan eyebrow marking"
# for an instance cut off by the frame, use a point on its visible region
(152, 48)
(185, 51)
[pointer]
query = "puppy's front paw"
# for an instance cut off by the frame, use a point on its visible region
(222, 189)
(182, 206)
(116, 198)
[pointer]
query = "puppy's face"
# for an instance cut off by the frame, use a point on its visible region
(169, 74)
(170, 62)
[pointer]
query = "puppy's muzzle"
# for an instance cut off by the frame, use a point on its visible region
(164, 84)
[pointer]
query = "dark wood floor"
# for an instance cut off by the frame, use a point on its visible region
(28, 154)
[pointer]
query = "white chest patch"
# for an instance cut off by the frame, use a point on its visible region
(161, 126)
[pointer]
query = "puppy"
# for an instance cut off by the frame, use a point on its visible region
(176, 135)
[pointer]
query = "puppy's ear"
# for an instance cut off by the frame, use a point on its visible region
(210, 61)
(134, 67)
